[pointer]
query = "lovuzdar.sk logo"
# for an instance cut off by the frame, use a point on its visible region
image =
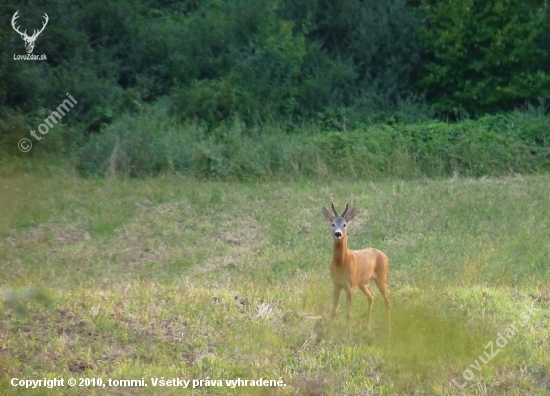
(29, 40)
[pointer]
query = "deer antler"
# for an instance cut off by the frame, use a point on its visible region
(35, 32)
(15, 16)
(333, 209)
(43, 25)
(345, 210)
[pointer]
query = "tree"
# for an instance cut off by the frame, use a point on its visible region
(485, 56)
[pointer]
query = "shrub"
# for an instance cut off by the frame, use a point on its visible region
(153, 142)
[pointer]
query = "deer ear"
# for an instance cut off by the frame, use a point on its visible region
(329, 216)
(351, 215)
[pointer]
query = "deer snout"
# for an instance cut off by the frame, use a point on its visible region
(337, 234)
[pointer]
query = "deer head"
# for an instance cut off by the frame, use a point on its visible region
(339, 222)
(29, 40)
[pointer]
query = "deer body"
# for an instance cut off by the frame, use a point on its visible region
(355, 268)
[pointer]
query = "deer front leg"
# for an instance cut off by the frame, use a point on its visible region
(335, 299)
(349, 295)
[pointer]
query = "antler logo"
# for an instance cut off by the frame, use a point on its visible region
(29, 40)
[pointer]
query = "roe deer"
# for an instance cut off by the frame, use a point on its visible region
(351, 268)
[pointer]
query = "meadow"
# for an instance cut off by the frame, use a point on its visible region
(177, 277)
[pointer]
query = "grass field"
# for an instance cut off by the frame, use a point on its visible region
(178, 278)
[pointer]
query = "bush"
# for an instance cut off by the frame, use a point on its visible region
(153, 142)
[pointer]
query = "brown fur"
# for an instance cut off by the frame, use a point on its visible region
(356, 268)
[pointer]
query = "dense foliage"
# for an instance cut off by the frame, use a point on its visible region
(269, 66)
(282, 60)
(485, 56)
(151, 143)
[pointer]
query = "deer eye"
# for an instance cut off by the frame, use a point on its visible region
(333, 224)
(344, 225)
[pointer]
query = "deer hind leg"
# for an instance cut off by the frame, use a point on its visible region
(370, 295)
(381, 283)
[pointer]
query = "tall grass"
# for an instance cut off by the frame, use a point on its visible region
(151, 143)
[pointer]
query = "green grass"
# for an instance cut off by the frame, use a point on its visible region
(179, 278)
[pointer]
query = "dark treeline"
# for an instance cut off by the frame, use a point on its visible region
(217, 88)
(279, 60)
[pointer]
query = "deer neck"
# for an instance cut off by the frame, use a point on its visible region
(340, 250)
